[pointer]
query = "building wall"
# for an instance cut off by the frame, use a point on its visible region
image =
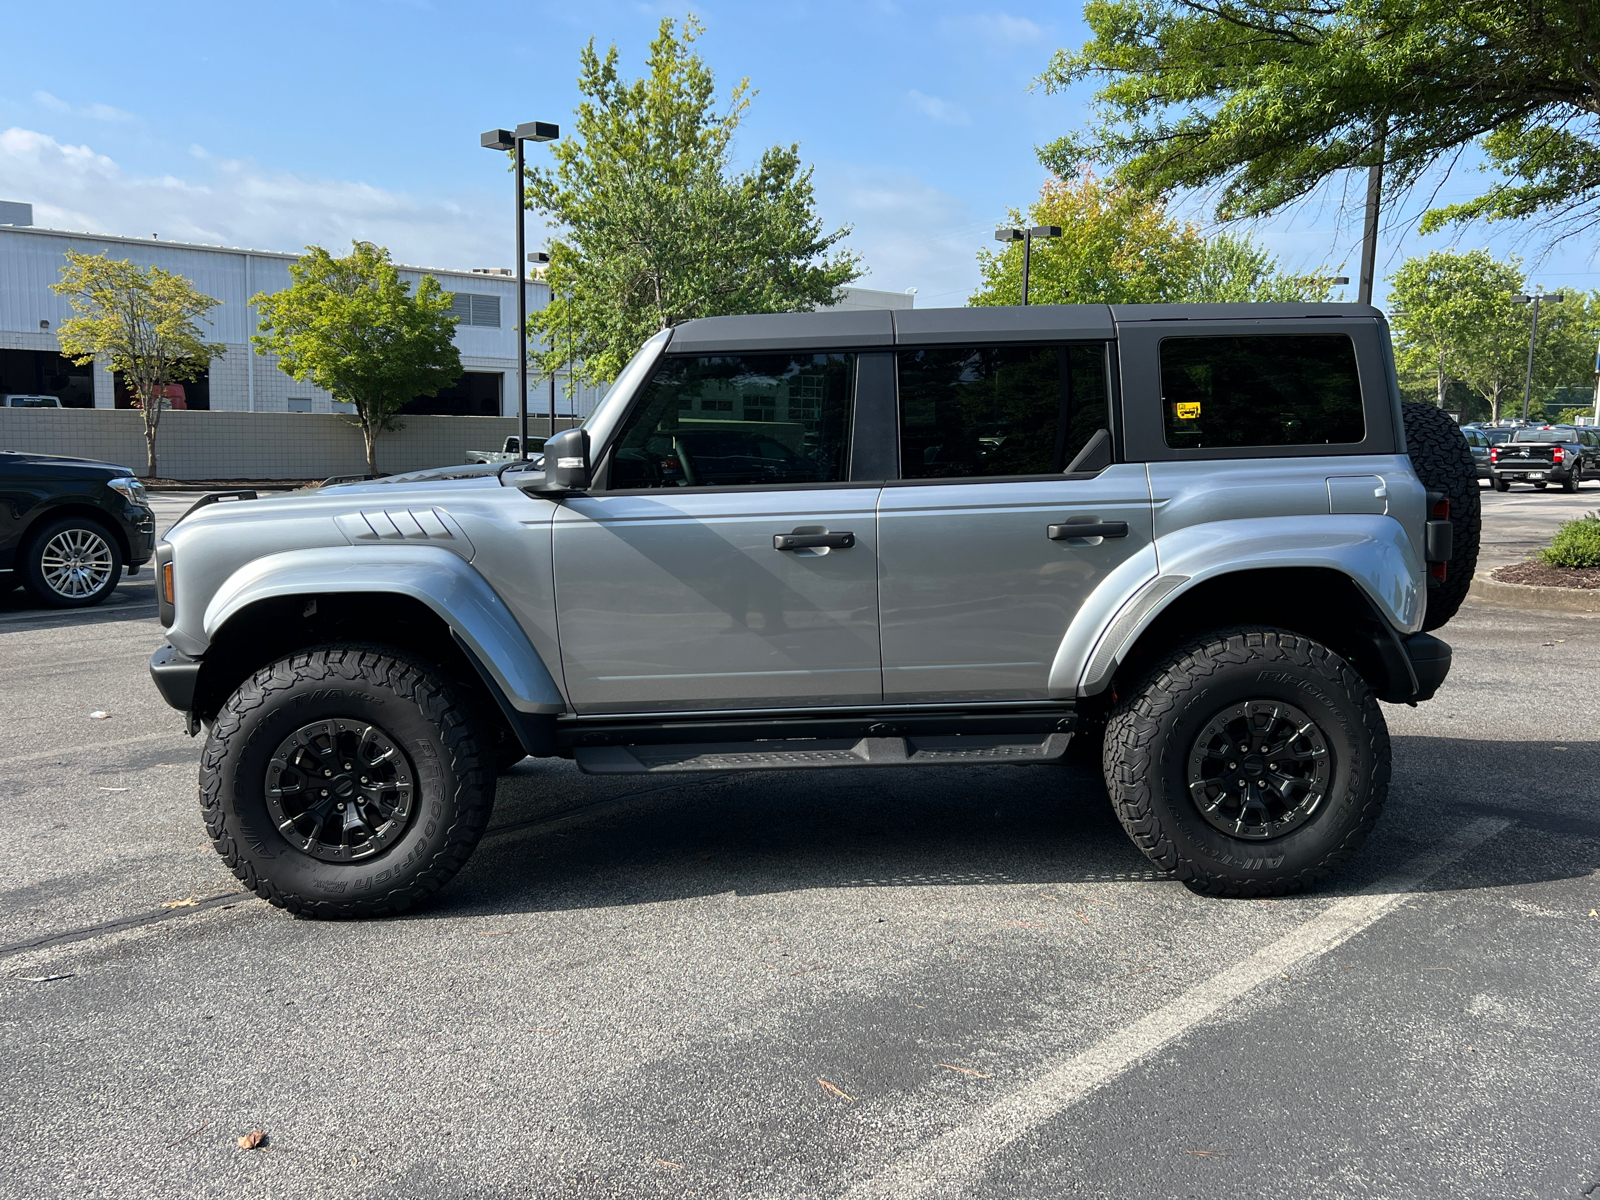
(251, 446)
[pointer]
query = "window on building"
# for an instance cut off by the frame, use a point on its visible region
(1261, 390)
(739, 420)
(299, 404)
(192, 394)
(976, 411)
(475, 394)
(470, 308)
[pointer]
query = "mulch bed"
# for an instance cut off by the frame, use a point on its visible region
(1536, 574)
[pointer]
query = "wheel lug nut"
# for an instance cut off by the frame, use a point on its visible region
(347, 766)
(327, 772)
(341, 806)
(1272, 766)
(324, 791)
(1233, 766)
(363, 779)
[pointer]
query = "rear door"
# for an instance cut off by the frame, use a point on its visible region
(726, 561)
(1003, 448)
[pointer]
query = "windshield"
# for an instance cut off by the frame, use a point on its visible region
(1554, 433)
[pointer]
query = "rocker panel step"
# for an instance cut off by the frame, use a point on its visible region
(781, 755)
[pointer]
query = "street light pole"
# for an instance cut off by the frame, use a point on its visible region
(501, 139)
(1533, 338)
(1026, 236)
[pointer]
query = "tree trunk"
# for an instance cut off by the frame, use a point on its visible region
(370, 435)
(150, 450)
(1441, 381)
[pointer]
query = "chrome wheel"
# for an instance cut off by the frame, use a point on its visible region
(76, 563)
(1259, 769)
(340, 790)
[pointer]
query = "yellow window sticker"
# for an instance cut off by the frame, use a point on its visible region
(1188, 412)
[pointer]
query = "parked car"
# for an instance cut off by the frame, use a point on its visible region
(1542, 455)
(1478, 442)
(70, 526)
(18, 400)
(1206, 540)
(510, 452)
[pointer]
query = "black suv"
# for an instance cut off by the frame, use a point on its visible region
(68, 527)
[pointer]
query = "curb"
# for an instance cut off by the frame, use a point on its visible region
(1546, 599)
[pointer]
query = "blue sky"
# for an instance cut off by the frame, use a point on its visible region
(278, 124)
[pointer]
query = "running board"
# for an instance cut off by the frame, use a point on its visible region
(781, 755)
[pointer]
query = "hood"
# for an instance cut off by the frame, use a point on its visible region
(113, 470)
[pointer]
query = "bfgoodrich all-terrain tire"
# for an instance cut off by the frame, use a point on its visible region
(1251, 762)
(346, 781)
(1444, 463)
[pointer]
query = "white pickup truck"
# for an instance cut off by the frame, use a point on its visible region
(511, 452)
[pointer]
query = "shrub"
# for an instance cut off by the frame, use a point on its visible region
(1576, 544)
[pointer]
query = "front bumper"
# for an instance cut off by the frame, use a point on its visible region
(175, 677)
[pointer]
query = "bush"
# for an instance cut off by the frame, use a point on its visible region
(1576, 544)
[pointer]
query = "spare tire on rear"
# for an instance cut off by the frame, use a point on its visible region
(1444, 464)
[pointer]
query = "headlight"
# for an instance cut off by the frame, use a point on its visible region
(131, 490)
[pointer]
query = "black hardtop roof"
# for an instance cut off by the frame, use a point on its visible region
(834, 330)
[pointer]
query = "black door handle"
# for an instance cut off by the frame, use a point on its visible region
(1088, 529)
(805, 541)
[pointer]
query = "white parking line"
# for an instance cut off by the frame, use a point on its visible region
(946, 1159)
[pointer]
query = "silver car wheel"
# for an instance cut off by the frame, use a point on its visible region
(76, 563)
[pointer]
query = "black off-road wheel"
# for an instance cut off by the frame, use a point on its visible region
(1250, 762)
(1443, 462)
(346, 781)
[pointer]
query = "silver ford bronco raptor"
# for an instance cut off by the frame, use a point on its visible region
(1201, 542)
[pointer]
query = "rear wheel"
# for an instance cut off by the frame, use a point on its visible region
(1540, 486)
(346, 782)
(1251, 762)
(1499, 485)
(71, 563)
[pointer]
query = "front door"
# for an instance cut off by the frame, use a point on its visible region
(1003, 451)
(725, 562)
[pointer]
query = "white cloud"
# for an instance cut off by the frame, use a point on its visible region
(909, 233)
(95, 112)
(999, 30)
(231, 202)
(939, 110)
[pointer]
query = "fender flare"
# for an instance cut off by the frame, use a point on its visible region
(1374, 552)
(438, 578)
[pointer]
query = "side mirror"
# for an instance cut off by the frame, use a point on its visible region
(566, 461)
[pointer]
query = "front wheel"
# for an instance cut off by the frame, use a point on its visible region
(346, 782)
(1572, 482)
(72, 563)
(1251, 762)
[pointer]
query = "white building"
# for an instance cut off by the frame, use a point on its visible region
(31, 259)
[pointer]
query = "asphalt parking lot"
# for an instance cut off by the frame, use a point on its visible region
(956, 982)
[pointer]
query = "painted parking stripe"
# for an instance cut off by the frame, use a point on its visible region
(953, 1155)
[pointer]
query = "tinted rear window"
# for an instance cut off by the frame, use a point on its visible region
(969, 411)
(1260, 390)
(1560, 433)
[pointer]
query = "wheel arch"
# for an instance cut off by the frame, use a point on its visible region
(1322, 603)
(269, 628)
(48, 514)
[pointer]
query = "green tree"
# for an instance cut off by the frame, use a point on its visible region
(143, 322)
(1442, 303)
(657, 228)
(1118, 247)
(1263, 100)
(352, 326)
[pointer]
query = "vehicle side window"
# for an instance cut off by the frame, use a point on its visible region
(975, 411)
(1260, 390)
(738, 420)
